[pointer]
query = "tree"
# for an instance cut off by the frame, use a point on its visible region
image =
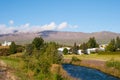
(52, 53)
(118, 43)
(38, 42)
(65, 51)
(13, 48)
(92, 43)
(111, 46)
(75, 48)
(84, 47)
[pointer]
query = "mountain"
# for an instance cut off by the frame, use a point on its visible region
(67, 38)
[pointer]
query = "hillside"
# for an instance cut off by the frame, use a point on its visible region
(61, 37)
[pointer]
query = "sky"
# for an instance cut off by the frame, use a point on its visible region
(59, 15)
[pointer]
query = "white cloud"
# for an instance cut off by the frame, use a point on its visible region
(5, 30)
(51, 26)
(11, 22)
(62, 26)
(34, 28)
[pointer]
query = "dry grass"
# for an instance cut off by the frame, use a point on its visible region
(1, 47)
(95, 57)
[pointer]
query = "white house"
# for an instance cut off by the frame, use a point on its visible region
(79, 52)
(89, 50)
(6, 43)
(102, 47)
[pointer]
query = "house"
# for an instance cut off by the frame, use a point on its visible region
(80, 52)
(89, 50)
(102, 47)
(6, 43)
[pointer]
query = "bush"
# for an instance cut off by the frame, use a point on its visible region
(74, 59)
(29, 49)
(13, 48)
(65, 51)
(20, 48)
(113, 63)
(4, 52)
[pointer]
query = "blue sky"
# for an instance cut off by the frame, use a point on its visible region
(61, 15)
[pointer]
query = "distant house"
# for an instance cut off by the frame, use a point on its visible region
(80, 52)
(6, 43)
(102, 46)
(89, 50)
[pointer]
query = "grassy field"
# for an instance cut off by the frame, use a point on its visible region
(14, 63)
(4, 47)
(104, 57)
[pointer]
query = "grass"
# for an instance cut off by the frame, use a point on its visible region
(114, 64)
(11, 62)
(1, 47)
(14, 62)
(101, 57)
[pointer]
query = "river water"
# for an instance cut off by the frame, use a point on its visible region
(84, 73)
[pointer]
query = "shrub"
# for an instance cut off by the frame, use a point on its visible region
(4, 52)
(20, 48)
(29, 49)
(65, 51)
(74, 59)
(113, 63)
(13, 48)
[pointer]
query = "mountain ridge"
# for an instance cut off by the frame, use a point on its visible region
(62, 37)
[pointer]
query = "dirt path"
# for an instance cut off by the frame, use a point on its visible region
(5, 73)
(91, 63)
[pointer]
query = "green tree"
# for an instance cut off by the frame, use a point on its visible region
(52, 52)
(13, 48)
(84, 47)
(118, 43)
(92, 43)
(65, 51)
(38, 42)
(75, 48)
(111, 46)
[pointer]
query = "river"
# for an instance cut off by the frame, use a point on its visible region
(84, 73)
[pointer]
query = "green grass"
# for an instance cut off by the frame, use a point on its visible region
(14, 64)
(113, 63)
(11, 62)
(103, 57)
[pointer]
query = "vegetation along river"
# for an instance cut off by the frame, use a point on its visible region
(84, 73)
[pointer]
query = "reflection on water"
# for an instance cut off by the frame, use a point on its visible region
(84, 73)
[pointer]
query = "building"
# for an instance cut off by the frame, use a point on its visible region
(6, 43)
(89, 50)
(80, 52)
(103, 46)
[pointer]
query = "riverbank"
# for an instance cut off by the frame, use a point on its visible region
(11, 70)
(58, 69)
(99, 64)
(85, 73)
